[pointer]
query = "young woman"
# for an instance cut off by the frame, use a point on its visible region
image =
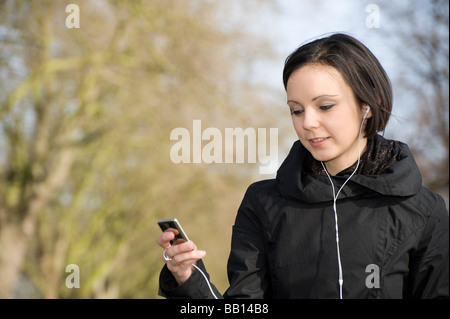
(347, 215)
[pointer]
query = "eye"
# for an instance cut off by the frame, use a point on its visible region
(296, 112)
(326, 107)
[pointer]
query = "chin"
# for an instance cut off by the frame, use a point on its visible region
(320, 156)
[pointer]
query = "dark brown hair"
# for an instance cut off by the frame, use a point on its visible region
(358, 66)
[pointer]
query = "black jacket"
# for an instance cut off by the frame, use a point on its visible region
(393, 234)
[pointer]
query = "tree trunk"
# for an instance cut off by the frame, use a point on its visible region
(15, 233)
(13, 243)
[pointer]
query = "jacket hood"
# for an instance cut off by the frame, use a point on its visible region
(401, 177)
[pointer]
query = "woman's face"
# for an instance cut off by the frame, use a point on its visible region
(326, 115)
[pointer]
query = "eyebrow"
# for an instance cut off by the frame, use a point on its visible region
(317, 97)
(324, 95)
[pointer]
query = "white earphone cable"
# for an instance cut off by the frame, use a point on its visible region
(207, 281)
(335, 197)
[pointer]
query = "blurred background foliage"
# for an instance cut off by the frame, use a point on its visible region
(85, 121)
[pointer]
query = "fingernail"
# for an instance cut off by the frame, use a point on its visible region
(201, 253)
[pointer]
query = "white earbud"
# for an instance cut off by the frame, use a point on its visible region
(367, 112)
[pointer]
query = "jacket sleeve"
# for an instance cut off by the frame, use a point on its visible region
(247, 269)
(429, 264)
(196, 287)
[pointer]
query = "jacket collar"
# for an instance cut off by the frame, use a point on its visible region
(387, 167)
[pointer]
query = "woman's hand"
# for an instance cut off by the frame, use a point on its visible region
(181, 255)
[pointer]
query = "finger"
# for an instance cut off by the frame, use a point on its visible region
(181, 248)
(188, 258)
(172, 230)
(186, 247)
(165, 238)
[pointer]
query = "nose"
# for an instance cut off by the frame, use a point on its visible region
(310, 119)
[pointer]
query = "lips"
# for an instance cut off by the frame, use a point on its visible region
(318, 141)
